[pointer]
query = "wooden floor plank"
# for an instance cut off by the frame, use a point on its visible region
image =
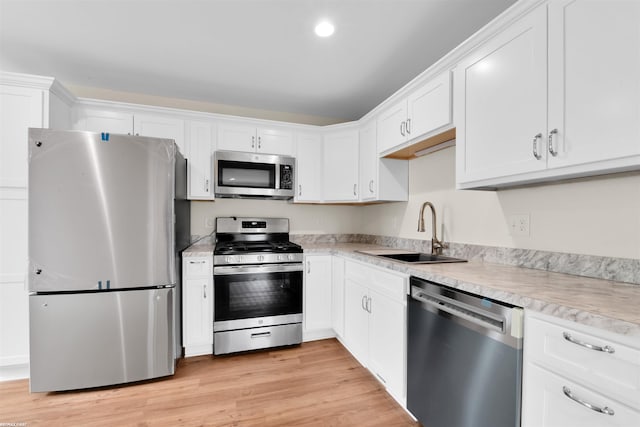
(315, 384)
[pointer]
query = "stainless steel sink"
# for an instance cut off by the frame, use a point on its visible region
(421, 258)
(412, 257)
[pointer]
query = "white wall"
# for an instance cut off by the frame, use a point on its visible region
(303, 219)
(596, 216)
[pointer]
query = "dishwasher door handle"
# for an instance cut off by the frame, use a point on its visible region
(448, 305)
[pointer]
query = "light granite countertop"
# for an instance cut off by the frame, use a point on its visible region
(604, 304)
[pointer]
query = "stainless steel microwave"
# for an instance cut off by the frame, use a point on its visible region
(239, 174)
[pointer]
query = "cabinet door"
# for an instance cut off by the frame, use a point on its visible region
(501, 103)
(236, 137)
(594, 88)
(197, 314)
(275, 141)
(340, 167)
(368, 163)
(20, 109)
(200, 155)
(337, 295)
(429, 107)
(308, 168)
(317, 293)
(546, 404)
(104, 121)
(356, 320)
(387, 348)
(160, 127)
(391, 126)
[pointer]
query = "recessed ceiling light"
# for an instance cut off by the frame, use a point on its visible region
(324, 29)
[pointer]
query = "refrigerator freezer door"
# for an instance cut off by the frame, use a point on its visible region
(101, 211)
(100, 338)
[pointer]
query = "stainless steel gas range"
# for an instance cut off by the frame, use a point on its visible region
(257, 279)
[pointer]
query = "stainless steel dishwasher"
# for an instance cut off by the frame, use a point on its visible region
(464, 361)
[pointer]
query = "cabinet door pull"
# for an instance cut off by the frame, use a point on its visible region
(259, 142)
(537, 155)
(355, 189)
(253, 142)
(606, 410)
(371, 186)
(369, 305)
(299, 189)
(552, 150)
(204, 291)
(206, 185)
(607, 349)
(308, 267)
(403, 126)
(408, 126)
(362, 302)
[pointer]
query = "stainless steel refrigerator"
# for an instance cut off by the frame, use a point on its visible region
(108, 218)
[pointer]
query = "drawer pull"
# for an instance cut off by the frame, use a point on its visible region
(607, 349)
(260, 334)
(606, 410)
(197, 262)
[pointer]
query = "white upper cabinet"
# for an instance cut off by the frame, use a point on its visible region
(308, 168)
(160, 127)
(248, 138)
(141, 124)
(501, 103)
(511, 129)
(391, 126)
(340, 166)
(200, 149)
(368, 163)
(380, 178)
(594, 81)
(94, 120)
(426, 111)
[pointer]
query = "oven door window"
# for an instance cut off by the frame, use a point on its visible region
(244, 296)
(246, 174)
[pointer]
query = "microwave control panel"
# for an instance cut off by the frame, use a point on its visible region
(286, 177)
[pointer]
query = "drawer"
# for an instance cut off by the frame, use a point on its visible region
(257, 338)
(197, 267)
(548, 401)
(563, 349)
(390, 284)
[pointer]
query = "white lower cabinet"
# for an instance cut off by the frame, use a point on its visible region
(578, 376)
(337, 295)
(375, 312)
(555, 401)
(197, 306)
(317, 322)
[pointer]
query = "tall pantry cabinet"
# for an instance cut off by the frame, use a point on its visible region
(25, 101)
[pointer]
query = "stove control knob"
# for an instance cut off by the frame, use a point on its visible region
(229, 260)
(260, 258)
(290, 257)
(280, 258)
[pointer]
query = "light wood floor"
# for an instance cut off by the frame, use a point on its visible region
(318, 383)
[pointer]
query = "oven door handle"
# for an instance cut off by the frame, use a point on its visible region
(256, 269)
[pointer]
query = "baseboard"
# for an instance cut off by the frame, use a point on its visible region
(14, 372)
(319, 334)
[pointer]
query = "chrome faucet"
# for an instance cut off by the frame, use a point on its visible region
(436, 245)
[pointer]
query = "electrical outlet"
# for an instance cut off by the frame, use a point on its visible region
(519, 225)
(209, 222)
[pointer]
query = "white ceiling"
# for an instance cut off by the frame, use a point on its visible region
(250, 53)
